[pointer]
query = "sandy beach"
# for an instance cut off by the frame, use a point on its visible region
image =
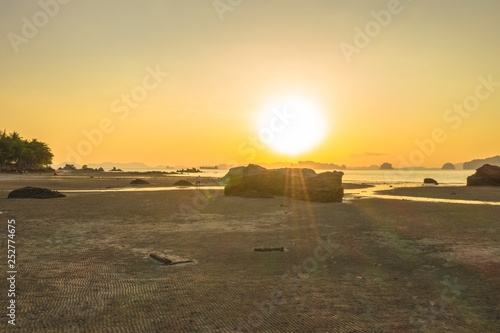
(367, 265)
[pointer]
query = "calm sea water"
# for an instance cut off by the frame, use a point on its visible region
(407, 176)
(371, 176)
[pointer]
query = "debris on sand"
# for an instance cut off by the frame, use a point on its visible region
(167, 261)
(269, 249)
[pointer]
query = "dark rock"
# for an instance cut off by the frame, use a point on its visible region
(386, 166)
(34, 192)
(430, 181)
(487, 175)
(183, 183)
(139, 182)
(255, 181)
(448, 166)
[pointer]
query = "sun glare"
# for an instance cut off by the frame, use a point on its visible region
(291, 125)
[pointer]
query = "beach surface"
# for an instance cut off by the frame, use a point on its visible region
(368, 265)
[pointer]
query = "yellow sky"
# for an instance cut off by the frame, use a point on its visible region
(100, 68)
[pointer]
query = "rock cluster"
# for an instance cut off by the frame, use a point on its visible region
(487, 175)
(254, 181)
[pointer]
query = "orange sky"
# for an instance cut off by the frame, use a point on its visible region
(91, 77)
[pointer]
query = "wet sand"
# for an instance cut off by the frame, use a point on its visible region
(476, 193)
(371, 265)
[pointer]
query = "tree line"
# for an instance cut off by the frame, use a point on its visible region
(17, 154)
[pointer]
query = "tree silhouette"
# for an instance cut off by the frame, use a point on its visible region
(19, 154)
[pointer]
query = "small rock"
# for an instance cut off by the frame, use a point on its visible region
(183, 183)
(139, 182)
(430, 181)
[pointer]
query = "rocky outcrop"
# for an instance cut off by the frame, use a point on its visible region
(448, 166)
(34, 193)
(255, 181)
(430, 181)
(386, 166)
(487, 175)
(139, 182)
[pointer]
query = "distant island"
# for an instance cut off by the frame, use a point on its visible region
(386, 166)
(472, 165)
(208, 167)
(475, 164)
(303, 164)
(448, 166)
(190, 170)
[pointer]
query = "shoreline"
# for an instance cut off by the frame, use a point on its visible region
(74, 182)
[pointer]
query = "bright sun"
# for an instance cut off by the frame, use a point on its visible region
(291, 125)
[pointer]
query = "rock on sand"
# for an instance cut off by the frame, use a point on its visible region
(34, 192)
(303, 184)
(487, 175)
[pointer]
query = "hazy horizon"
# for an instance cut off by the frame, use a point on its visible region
(412, 83)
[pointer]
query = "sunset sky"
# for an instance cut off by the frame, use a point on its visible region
(380, 74)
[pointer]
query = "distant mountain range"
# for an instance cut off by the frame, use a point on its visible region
(110, 165)
(303, 164)
(474, 164)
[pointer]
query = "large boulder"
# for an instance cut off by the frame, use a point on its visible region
(487, 175)
(34, 192)
(255, 181)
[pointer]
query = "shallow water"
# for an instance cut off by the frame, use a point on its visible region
(144, 189)
(350, 195)
(370, 193)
